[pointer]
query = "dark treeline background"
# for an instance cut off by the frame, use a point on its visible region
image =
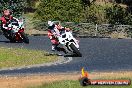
(96, 11)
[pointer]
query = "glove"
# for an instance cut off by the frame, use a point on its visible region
(54, 33)
(8, 28)
(50, 37)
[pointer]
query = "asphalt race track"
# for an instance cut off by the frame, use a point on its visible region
(98, 55)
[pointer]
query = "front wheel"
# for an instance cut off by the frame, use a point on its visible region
(9, 35)
(75, 50)
(25, 38)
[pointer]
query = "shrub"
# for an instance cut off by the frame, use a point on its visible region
(17, 6)
(63, 10)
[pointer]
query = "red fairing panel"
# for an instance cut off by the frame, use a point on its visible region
(21, 30)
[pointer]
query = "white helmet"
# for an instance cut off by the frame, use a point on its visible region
(50, 23)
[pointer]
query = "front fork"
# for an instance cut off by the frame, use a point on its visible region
(18, 34)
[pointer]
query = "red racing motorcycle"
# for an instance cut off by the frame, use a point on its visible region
(16, 32)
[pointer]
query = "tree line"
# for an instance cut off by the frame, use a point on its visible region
(71, 10)
(82, 11)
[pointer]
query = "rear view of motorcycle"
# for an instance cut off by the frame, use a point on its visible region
(69, 42)
(16, 32)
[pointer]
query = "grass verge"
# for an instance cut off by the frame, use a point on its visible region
(59, 80)
(13, 57)
(74, 83)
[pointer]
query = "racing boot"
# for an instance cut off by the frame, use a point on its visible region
(53, 47)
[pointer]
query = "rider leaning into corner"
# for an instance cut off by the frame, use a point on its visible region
(5, 21)
(54, 30)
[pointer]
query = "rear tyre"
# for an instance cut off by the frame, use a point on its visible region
(25, 38)
(75, 50)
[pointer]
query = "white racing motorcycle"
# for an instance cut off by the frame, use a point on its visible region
(69, 42)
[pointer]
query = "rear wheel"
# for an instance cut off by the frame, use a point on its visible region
(75, 50)
(25, 38)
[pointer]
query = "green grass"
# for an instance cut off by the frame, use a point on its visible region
(75, 84)
(12, 57)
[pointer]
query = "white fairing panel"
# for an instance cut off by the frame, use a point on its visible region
(67, 38)
(16, 28)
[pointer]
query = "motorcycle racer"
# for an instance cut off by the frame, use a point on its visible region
(5, 21)
(54, 30)
(13, 28)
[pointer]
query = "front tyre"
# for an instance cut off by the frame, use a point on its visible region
(8, 35)
(25, 38)
(75, 50)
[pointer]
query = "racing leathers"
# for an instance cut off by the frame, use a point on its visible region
(53, 33)
(4, 26)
